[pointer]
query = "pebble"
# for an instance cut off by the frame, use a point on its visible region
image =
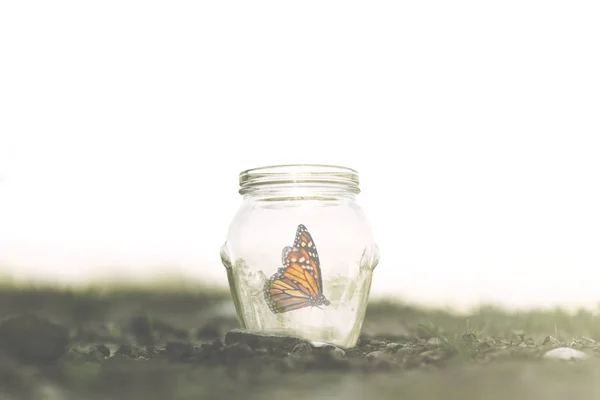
(125, 350)
(302, 350)
(271, 342)
(94, 352)
(331, 357)
(432, 356)
(434, 342)
(333, 351)
(565, 353)
(377, 355)
(393, 347)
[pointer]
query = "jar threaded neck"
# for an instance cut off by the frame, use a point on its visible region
(299, 175)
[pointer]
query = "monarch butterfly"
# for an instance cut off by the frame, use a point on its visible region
(298, 283)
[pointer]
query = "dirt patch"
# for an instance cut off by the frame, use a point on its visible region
(185, 344)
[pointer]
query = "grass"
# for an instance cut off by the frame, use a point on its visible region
(489, 352)
(394, 316)
(492, 320)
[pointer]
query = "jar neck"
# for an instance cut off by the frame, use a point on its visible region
(299, 182)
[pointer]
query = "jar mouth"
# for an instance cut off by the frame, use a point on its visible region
(321, 175)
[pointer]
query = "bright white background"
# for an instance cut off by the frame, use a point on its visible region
(474, 125)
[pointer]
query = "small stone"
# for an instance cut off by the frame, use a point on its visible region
(102, 349)
(518, 336)
(407, 351)
(302, 350)
(551, 341)
(88, 352)
(500, 342)
(112, 348)
(432, 356)
(215, 345)
(212, 351)
(271, 342)
(486, 346)
(565, 353)
(152, 352)
(380, 360)
(333, 351)
(392, 348)
(583, 342)
(363, 341)
(378, 343)
(30, 338)
(125, 350)
(434, 342)
(323, 356)
(377, 355)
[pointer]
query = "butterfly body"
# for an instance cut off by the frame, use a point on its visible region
(298, 283)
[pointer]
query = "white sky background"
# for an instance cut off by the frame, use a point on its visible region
(475, 128)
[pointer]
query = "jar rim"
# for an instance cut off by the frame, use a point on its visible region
(285, 174)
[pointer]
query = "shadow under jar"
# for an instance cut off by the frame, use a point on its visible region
(300, 253)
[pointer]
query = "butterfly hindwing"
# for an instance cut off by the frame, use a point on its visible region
(282, 294)
(299, 270)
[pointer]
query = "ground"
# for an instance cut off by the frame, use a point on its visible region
(183, 343)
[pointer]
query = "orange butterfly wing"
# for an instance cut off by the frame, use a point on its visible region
(305, 243)
(298, 284)
(282, 295)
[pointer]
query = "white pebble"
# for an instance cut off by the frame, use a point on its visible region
(565, 353)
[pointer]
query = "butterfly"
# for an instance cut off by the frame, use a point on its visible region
(298, 283)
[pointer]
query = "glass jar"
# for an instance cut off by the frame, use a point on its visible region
(300, 253)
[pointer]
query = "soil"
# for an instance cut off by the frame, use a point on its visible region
(184, 344)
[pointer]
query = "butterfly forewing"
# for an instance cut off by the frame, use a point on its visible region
(299, 270)
(305, 242)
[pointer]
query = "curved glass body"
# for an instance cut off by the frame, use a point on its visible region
(300, 253)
